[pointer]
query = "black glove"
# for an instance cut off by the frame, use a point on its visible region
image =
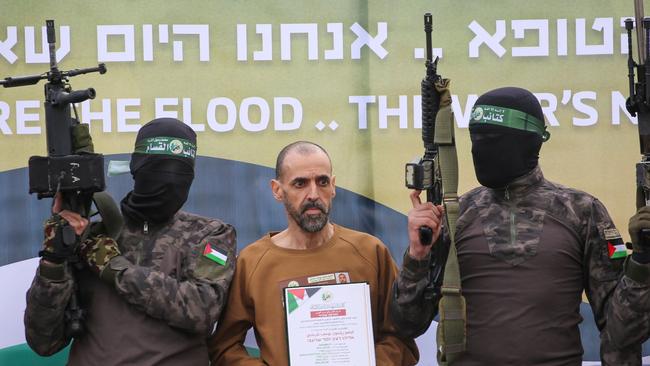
(640, 242)
(59, 242)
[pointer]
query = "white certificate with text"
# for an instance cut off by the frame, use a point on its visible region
(329, 325)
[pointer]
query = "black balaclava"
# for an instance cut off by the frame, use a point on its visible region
(507, 130)
(162, 166)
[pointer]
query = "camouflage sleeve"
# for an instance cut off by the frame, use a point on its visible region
(47, 299)
(620, 305)
(414, 303)
(391, 348)
(192, 303)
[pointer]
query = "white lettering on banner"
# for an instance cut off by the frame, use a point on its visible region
(548, 101)
(562, 37)
(278, 113)
(336, 53)
(493, 41)
(250, 106)
(103, 115)
(365, 39)
(123, 115)
(147, 42)
(266, 54)
(258, 114)
(160, 111)
(580, 106)
(624, 49)
(8, 44)
(400, 112)
(417, 111)
(31, 55)
(117, 43)
(5, 112)
(604, 25)
(22, 117)
(159, 108)
(603, 29)
(287, 31)
(127, 34)
(242, 42)
(163, 33)
(462, 119)
(264, 114)
(362, 102)
(201, 30)
(618, 105)
(128, 42)
(43, 57)
(187, 116)
(231, 113)
(521, 26)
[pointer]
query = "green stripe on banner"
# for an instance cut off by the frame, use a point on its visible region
(23, 355)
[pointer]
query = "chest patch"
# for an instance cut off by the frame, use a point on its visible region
(512, 233)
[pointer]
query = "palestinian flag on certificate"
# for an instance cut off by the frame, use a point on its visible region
(617, 250)
(295, 297)
(215, 254)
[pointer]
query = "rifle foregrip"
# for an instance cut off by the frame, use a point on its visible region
(426, 235)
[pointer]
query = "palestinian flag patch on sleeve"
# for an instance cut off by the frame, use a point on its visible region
(615, 247)
(215, 254)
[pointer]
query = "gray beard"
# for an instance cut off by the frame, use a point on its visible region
(309, 223)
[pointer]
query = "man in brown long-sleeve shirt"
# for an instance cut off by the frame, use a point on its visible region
(310, 251)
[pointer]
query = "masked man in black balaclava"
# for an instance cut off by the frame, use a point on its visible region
(527, 249)
(154, 294)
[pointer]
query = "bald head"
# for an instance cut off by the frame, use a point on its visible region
(299, 147)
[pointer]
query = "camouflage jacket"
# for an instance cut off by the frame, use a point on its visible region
(526, 253)
(161, 307)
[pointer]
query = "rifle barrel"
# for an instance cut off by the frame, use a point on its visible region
(11, 82)
(630, 60)
(428, 28)
(51, 41)
(640, 37)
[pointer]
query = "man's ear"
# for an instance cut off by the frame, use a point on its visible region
(276, 189)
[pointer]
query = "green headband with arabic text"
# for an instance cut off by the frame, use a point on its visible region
(165, 145)
(506, 117)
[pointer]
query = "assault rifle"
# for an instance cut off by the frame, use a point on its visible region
(437, 173)
(425, 174)
(638, 104)
(76, 173)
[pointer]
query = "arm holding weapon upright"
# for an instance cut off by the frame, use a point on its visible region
(621, 301)
(417, 289)
(72, 173)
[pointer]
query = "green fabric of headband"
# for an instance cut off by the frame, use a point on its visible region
(506, 117)
(165, 145)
